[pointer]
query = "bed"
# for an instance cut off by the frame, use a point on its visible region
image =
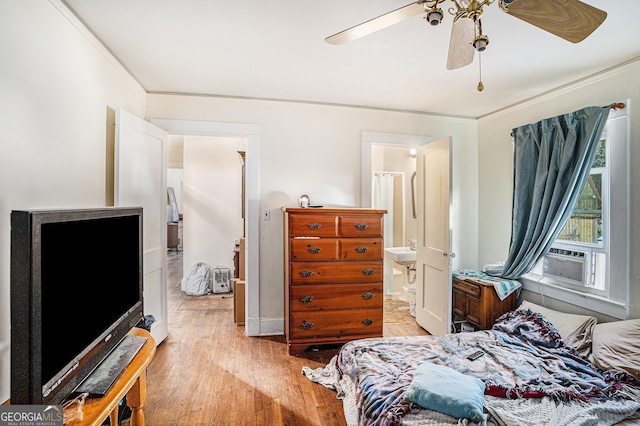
(536, 367)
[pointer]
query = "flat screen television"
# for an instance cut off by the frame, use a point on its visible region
(76, 291)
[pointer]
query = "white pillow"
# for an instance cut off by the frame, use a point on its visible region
(575, 330)
(616, 346)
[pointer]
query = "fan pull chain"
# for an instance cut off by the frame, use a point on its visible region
(477, 30)
(480, 85)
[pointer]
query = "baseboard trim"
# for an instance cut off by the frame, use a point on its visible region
(264, 327)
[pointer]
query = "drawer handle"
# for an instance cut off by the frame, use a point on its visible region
(368, 322)
(306, 325)
(314, 225)
(368, 271)
(306, 299)
(314, 249)
(306, 273)
(361, 226)
(368, 296)
(362, 249)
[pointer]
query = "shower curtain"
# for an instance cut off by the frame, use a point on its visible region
(382, 198)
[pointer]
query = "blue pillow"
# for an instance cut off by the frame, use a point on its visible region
(443, 389)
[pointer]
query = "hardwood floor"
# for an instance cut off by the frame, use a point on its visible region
(208, 372)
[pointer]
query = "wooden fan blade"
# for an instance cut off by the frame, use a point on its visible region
(571, 20)
(461, 50)
(375, 24)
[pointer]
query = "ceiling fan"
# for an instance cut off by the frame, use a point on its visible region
(571, 20)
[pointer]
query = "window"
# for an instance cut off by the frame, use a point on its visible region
(589, 256)
(584, 233)
(585, 226)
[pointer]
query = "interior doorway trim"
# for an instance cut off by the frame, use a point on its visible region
(251, 133)
(368, 139)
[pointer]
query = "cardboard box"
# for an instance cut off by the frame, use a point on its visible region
(241, 261)
(238, 302)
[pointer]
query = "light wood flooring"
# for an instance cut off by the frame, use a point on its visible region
(208, 372)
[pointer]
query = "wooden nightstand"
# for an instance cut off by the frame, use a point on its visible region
(477, 302)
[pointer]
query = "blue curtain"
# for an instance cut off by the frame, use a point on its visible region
(552, 161)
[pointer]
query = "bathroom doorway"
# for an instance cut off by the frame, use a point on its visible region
(390, 186)
(389, 160)
(387, 194)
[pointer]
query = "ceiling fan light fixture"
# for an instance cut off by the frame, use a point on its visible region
(572, 20)
(481, 42)
(434, 16)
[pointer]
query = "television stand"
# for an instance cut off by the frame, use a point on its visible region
(132, 383)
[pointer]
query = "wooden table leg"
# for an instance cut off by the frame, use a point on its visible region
(135, 399)
(113, 417)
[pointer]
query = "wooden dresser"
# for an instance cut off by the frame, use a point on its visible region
(478, 303)
(333, 275)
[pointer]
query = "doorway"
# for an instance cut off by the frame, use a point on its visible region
(209, 187)
(388, 194)
(390, 154)
(250, 134)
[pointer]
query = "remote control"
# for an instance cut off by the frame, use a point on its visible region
(475, 355)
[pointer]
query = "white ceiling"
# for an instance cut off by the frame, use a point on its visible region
(276, 50)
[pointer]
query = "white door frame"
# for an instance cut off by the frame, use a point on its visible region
(368, 139)
(251, 133)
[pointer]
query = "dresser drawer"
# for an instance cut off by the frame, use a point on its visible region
(305, 225)
(335, 272)
(359, 225)
(323, 297)
(467, 287)
(335, 248)
(313, 248)
(335, 323)
(360, 248)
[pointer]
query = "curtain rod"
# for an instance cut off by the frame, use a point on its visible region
(615, 107)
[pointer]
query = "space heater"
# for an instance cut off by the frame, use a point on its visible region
(221, 280)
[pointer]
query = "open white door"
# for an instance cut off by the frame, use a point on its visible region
(141, 180)
(433, 265)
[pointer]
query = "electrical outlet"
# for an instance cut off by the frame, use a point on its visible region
(266, 214)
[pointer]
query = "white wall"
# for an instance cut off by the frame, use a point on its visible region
(175, 151)
(59, 90)
(315, 149)
(495, 160)
(212, 188)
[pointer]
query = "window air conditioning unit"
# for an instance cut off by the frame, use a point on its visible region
(567, 265)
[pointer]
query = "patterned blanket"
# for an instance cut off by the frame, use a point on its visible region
(524, 358)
